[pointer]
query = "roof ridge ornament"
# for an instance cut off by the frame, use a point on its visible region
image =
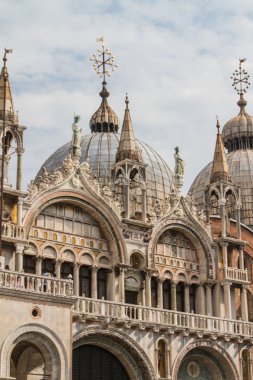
(241, 83)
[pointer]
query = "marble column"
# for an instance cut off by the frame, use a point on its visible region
(160, 294)
(38, 265)
(227, 300)
(148, 289)
(76, 279)
(173, 296)
(244, 304)
(209, 303)
(94, 291)
(126, 191)
(20, 211)
(222, 203)
(58, 268)
(186, 298)
(121, 285)
(111, 281)
(144, 204)
(19, 257)
(238, 220)
(241, 258)
(19, 151)
(200, 298)
(224, 254)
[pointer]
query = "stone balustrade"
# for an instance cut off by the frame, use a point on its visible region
(13, 231)
(36, 284)
(236, 275)
(161, 318)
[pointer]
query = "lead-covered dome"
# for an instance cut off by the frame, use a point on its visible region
(240, 163)
(101, 148)
(238, 132)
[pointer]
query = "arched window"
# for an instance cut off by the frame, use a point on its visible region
(153, 292)
(180, 296)
(192, 295)
(161, 359)
(29, 264)
(102, 283)
(48, 266)
(167, 294)
(66, 270)
(137, 261)
(85, 281)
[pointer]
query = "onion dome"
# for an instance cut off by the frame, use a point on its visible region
(104, 119)
(237, 137)
(240, 164)
(238, 132)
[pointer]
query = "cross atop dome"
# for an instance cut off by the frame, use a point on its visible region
(104, 61)
(240, 79)
(241, 84)
(104, 119)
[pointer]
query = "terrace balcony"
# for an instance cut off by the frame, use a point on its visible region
(236, 275)
(34, 286)
(12, 232)
(141, 317)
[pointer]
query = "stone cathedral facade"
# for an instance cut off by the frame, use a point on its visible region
(108, 272)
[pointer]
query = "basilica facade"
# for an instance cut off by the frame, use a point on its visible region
(108, 272)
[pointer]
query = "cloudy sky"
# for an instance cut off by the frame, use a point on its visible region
(175, 60)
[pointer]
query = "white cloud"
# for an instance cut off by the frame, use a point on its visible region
(175, 59)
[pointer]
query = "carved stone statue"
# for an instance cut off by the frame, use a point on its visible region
(179, 163)
(68, 165)
(76, 137)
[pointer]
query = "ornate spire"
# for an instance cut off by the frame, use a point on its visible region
(220, 171)
(127, 145)
(104, 119)
(7, 98)
(241, 84)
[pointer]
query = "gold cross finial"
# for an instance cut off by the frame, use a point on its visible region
(103, 61)
(240, 79)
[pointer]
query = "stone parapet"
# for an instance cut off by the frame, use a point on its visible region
(142, 317)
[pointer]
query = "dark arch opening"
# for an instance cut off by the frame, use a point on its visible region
(95, 363)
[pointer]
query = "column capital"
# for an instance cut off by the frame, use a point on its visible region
(19, 247)
(222, 202)
(226, 284)
(20, 150)
(223, 243)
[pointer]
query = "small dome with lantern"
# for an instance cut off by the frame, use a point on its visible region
(237, 136)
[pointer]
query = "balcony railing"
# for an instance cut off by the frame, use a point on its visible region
(13, 231)
(161, 318)
(36, 284)
(237, 275)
